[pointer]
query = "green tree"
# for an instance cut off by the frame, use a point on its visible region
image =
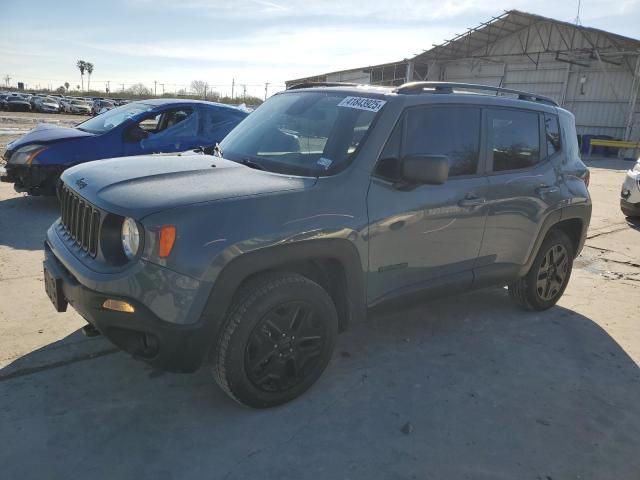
(89, 67)
(82, 66)
(66, 85)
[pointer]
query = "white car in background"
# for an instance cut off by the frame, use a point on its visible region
(64, 103)
(630, 194)
(79, 106)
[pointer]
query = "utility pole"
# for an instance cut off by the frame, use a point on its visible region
(233, 87)
(205, 91)
(123, 88)
(108, 86)
(266, 89)
(155, 88)
(7, 79)
(244, 92)
(162, 84)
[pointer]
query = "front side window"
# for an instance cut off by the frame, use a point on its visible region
(452, 131)
(169, 119)
(304, 133)
(514, 139)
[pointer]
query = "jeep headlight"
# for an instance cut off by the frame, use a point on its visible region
(130, 238)
(26, 155)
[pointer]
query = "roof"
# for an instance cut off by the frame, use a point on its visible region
(470, 43)
(440, 92)
(474, 42)
(185, 101)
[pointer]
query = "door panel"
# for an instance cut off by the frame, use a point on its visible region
(522, 187)
(424, 234)
(418, 236)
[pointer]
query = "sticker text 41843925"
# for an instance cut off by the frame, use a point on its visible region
(362, 103)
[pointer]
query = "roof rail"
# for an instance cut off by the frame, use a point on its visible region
(448, 87)
(321, 84)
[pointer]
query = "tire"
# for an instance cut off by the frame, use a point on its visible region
(543, 285)
(258, 361)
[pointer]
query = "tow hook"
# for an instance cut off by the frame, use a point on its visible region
(90, 331)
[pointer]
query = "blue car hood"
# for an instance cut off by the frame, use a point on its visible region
(142, 185)
(46, 133)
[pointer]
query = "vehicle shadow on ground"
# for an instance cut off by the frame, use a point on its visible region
(633, 222)
(608, 163)
(465, 387)
(24, 221)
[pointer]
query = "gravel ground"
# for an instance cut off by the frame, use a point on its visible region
(461, 388)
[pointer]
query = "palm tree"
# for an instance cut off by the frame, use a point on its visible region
(89, 67)
(66, 85)
(82, 65)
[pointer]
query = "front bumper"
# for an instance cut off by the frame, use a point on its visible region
(33, 179)
(630, 194)
(167, 346)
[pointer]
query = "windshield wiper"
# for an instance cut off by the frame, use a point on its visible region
(251, 164)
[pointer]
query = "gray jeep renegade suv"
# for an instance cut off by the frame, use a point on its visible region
(326, 201)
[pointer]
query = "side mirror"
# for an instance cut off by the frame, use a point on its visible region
(135, 134)
(430, 169)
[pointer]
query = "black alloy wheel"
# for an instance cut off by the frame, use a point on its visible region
(285, 346)
(552, 272)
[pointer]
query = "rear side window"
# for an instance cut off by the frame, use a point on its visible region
(552, 131)
(452, 131)
(514, 139)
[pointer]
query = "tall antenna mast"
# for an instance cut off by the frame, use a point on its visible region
(577, 20)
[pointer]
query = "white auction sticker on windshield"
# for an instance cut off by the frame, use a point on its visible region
(362, 103)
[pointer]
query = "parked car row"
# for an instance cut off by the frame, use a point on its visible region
(56, 103)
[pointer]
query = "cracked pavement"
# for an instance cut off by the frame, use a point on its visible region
(487, 391)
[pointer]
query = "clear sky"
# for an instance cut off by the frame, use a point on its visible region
(254, 41)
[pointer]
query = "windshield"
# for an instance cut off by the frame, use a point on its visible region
(303, 133)
(111, 119)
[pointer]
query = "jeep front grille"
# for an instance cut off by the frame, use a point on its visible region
(80, 219)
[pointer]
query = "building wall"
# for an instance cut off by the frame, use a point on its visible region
(354, 76)
(600, 103)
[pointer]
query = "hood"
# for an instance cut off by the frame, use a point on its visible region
(142, 185)
(45, 133)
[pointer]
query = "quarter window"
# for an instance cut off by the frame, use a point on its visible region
(552, 128)
(450, 131)
(514, 138)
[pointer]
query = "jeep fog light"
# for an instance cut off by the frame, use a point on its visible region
(118, 306)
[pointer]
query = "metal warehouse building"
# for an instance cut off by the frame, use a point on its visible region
(593, 73)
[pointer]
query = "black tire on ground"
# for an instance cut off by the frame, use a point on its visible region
(277, 340)
(546, 280)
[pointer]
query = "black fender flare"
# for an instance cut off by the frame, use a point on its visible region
(245, 265)
(581, 212)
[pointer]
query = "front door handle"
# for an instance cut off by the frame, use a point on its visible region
(544, 190)
(471, 200)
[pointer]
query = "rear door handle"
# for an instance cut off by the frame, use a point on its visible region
(546, 190)
(472, 200)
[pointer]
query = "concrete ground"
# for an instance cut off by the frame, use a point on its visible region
(468, 387)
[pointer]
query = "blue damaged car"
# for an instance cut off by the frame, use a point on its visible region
(35, 161)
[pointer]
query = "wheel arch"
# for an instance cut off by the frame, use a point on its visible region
(573, 220)
(335, 264)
